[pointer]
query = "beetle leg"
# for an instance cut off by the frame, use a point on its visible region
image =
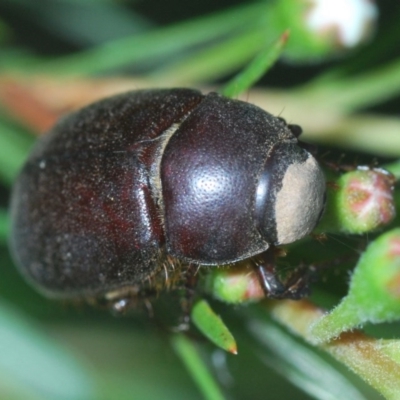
(272, 286)
(298, 284)
(296, 287)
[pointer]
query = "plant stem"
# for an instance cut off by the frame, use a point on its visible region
(256, 69)
(360, 353)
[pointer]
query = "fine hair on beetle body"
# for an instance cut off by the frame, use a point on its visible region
(124, 196)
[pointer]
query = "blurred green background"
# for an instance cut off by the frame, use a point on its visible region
(52, 350)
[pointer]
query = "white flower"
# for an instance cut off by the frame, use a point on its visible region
(351, 20)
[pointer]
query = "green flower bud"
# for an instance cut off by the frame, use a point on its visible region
(234, 285)
(360, 201)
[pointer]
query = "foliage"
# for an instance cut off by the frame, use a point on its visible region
(59, 55)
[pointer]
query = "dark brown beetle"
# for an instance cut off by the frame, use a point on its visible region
(148, 180)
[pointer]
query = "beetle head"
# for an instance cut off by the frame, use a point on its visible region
(290, 194)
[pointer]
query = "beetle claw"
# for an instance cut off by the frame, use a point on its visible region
(295, 288)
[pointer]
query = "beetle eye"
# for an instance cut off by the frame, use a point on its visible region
(290, 194)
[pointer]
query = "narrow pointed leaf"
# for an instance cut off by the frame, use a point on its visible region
(212, 326)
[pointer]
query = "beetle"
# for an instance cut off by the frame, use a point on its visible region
(149, 183)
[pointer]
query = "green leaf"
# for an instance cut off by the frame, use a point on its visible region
(4, 31)
(158, 43)
(374, 294)
(394, 168)
(256, 69)
(213, 61)
(356, 92)
(78, 22)
(14, 147)
(186, 351)
(300, 365)
(3, 225)
(212, 326)
(37, 364)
